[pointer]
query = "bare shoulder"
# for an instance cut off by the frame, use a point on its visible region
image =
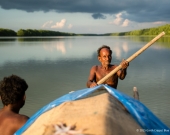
(13, 116)
(19, 119)
(11, 122)
(94, 68)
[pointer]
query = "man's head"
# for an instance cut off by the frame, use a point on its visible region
(12, 89)
(104, 55)
(104, 46)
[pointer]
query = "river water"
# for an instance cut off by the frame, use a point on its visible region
(54, 66)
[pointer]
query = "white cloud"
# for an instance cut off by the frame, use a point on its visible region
(118, 19)
(47, 24)
(70, 26)
(125, 23)
(60, 24)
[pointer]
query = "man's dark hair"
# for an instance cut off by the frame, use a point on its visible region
(104, 46)
(12, 89)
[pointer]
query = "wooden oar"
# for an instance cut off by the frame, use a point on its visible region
(131, 57)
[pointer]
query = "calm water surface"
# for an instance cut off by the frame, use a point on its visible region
(54, 66)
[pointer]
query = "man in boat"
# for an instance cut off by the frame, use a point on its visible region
(12, 94)
(97, 72)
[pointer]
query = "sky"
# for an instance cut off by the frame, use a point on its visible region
(84, 16)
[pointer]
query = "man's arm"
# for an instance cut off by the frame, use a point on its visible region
(122, 73)
(92, 78)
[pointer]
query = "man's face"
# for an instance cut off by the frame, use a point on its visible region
(105, 57)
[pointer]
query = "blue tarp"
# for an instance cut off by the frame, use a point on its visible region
(150, 124)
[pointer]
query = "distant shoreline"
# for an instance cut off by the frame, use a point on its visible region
(47, 33)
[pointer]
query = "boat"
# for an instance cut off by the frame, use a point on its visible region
(101, 110)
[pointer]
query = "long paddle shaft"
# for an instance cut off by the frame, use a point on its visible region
(131, 58)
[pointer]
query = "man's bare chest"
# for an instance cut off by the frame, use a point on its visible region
(100, 73)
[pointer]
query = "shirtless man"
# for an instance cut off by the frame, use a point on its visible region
(98, 72)
(12, 94)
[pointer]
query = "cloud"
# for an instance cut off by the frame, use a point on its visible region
(125, 23)
(60, 24)
(136, 11)
(118, 19)
(47, 24)
(98, 16)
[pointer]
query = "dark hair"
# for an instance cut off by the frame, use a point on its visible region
(104, 46)
(12, 89)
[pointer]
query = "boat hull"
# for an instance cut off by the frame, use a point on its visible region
(95, 111)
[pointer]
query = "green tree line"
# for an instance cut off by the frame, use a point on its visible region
(7, 32)
(30, 32)
(34, 32)
(149, 31)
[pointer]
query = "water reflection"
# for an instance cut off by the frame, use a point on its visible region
(59, 46)
(145, 39)
(7, 39)
(117, 51)
(120, 49)
(38, 39)
(125, 47)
